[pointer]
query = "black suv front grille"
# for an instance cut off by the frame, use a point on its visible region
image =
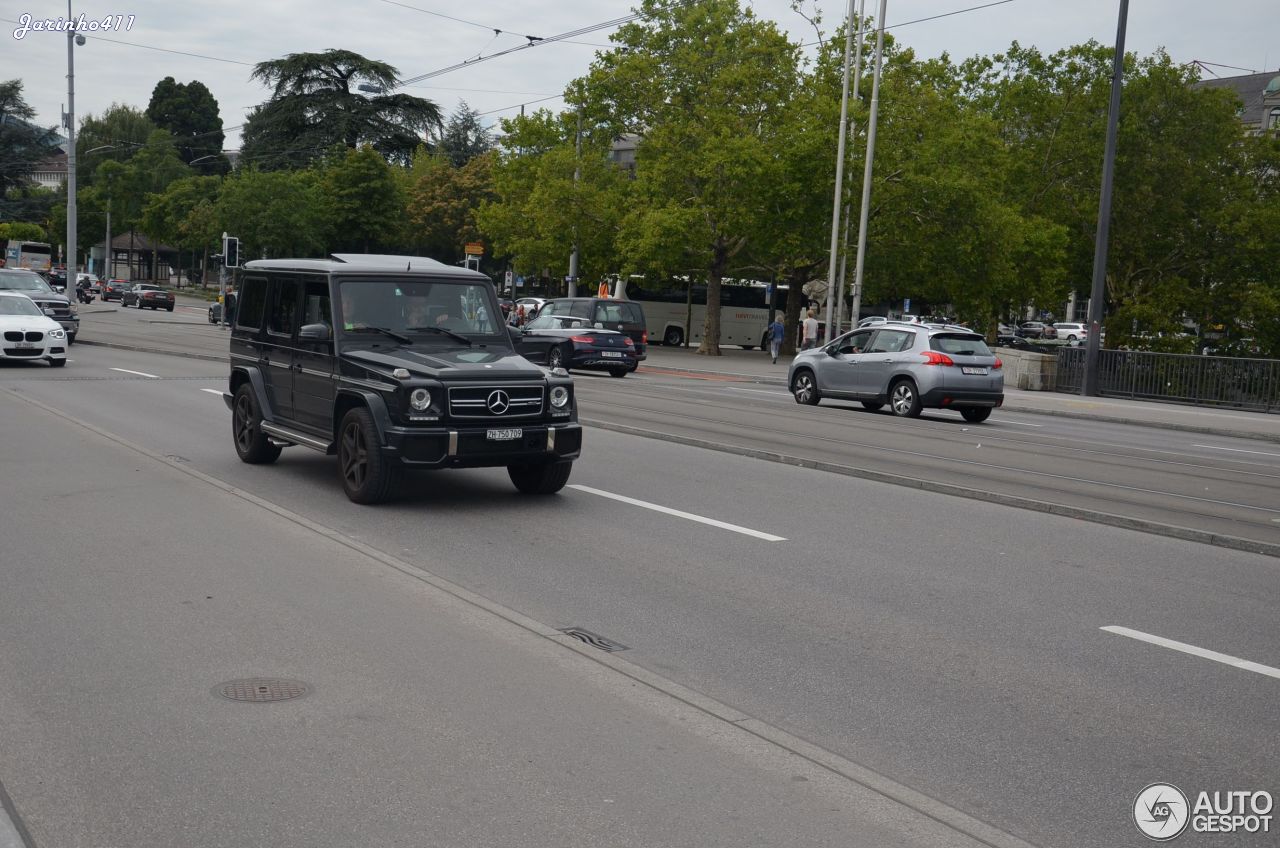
(495, 401)
(60, 310)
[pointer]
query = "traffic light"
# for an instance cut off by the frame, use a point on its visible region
(232, 252)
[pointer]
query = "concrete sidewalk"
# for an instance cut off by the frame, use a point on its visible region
(755, 366)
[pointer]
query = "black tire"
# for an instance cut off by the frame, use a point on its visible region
(976, 414)
(71, 339)
(804, 387)
(673, 337)
(872, 405)
(618, 372)
(748, 347)
(58, 363)
(367, 476)
(252, 445)
(555, 357)
(543, 478)
(904, 399)
(168, 308)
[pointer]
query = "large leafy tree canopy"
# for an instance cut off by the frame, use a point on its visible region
(23, 146)
(316, 103)
(190, 112)
(706, 85)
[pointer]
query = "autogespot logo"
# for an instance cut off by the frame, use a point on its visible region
(1160, 811)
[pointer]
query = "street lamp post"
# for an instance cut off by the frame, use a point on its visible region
(73, 38)
(839, 189)
(866, 172)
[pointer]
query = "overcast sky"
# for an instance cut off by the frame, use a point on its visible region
(231, 35)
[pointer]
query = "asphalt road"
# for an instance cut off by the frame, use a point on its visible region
(1212, 484)
(951, 645)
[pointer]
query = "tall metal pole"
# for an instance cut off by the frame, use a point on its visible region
(71, 151)
(839, 189)
(1089, 385)
(848, 206)
(577, 174)
(871, 155)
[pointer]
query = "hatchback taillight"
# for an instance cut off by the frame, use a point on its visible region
(998, 365)
(629, 342)
(582, 339)
(932, 357)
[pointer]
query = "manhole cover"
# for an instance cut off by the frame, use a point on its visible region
(262, 689)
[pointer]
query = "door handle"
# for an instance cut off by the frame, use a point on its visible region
(887, 359)
(297, 366)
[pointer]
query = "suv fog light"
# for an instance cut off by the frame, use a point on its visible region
(420, 399)
(559, 397)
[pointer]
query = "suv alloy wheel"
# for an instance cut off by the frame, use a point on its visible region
(367, 477)
(252, 445)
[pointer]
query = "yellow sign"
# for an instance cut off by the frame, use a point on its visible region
(475, 248)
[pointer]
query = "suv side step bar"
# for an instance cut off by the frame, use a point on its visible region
(295, 438)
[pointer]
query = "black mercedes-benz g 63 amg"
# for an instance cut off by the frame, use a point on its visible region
(392, 363)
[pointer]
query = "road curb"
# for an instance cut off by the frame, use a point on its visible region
(1141, 525)
(1008, 407)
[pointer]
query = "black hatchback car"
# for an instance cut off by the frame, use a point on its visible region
(392, 363)
(562, 341)
(605, 313)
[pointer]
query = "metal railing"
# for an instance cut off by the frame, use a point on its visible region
(1201, 380)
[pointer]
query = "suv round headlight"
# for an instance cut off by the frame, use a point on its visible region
(559, 397)
(420, 399)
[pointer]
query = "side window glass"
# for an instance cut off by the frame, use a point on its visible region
(284, 310)
(854, 343)
(253, 301)
(580, 309)
(552, 308)
(315, 305)
(890, 341)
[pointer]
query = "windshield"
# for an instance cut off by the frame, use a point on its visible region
(18, 306)
(418, 308)
(25, 281)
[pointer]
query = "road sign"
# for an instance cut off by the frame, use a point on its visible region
(906, 304)
(510, 277)
(475, 248)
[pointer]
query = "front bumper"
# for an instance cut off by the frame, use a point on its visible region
(594, 359)
(48, 349)
(471, 447)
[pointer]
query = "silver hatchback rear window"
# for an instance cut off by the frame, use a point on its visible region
(960, 344)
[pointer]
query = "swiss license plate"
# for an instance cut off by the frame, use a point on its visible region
(611, 354)
(504, 435)
(25, 345)
(973, 370)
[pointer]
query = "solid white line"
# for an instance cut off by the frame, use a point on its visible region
(1225, 659)
(217, 392)
(1235, 450)
(139, 373)
(1023, 423)
(746, 531)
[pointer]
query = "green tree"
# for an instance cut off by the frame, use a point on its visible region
(464, 137)
(114, 136)
(316, 103)
(705, 84)
(274, 213)
(442, 206)
(363, 201)
(539, 207)
(190, 112)
(23, 146)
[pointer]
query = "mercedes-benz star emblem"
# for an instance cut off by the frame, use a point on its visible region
(498, 401)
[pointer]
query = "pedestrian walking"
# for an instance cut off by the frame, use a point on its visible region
(810, 339)
(776, 332)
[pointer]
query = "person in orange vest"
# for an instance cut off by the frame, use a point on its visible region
(604, 288)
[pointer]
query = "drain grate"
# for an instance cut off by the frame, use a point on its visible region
(595, 640)
(262, 689)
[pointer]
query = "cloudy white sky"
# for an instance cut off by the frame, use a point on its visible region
(230, 35)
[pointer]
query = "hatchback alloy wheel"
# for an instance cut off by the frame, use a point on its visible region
(805, 389)
(904, 400)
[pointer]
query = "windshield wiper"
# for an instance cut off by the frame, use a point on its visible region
(365, 328)
(442, 331)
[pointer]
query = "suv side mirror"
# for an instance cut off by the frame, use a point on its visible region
(314, 332)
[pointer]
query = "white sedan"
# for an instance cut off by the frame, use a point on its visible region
(27, 333)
